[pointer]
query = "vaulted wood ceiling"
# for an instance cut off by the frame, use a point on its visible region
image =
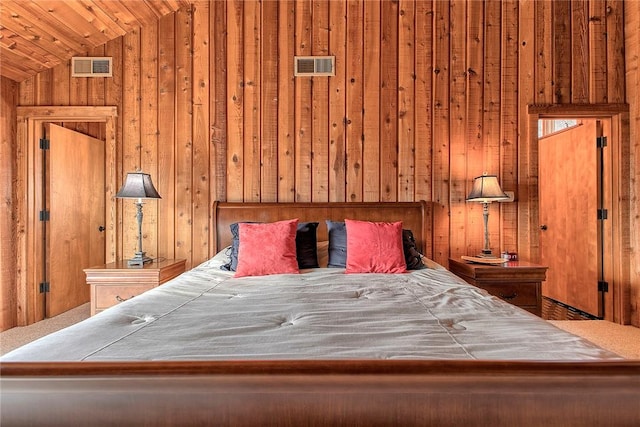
(40, 34)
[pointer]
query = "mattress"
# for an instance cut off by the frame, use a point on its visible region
(322, 313)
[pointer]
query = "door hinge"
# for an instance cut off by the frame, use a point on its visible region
(603, 286)
(44, 287)
(44, 144)
(44, 215)
(601, 142)
(602, 214)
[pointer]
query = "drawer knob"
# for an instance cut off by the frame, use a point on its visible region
(509, 297)
(120, 299)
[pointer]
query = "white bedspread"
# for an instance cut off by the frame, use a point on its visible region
(206, 314)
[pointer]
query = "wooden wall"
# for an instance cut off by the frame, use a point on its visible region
(632, 55)
(427, 95)
(8, 100)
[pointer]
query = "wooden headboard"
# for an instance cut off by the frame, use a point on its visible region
(415, 216)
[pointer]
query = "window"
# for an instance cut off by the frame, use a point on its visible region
(549, 126)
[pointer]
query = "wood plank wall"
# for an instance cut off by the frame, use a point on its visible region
(427, 95)
(8, 124)
(632, 81)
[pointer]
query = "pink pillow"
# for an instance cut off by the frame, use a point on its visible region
(374, 247)
(267, 248)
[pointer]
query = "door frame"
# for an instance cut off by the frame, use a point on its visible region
(617, 300)
(28, 186)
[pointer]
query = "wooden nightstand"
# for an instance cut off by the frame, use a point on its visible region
(116, 282)
(517, 282)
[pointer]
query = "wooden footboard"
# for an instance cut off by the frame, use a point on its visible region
(320, 393)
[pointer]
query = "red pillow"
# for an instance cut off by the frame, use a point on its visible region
(267, 248)
(374, 247)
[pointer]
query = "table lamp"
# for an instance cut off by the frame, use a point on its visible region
(138, 186)
(486, 189)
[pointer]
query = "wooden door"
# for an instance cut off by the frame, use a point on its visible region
(76, 202)
(569, 238)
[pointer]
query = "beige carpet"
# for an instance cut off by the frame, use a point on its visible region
(623, 340)
(20, 335)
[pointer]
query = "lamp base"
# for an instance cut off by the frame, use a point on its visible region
(139, 260)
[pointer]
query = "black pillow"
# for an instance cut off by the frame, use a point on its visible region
(338, 247)
(306, 246)
(337, 232)
(411, 254)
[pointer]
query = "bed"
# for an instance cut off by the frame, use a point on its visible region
(320, 345)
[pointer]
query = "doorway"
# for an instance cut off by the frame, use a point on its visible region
(573, 199)
(616, 249)
(74, 220)
(30, 176)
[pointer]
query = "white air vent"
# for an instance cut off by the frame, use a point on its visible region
(315, 66)
(91, 67)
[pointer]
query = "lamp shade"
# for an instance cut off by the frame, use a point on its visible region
(138, 185)
(486, 190)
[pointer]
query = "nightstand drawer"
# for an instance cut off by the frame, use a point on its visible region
(516, 282)
(116, 282)
(107, 296)
(521, 294)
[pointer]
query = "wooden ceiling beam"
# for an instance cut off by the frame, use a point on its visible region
(99, 19)
(10, 66)
(28, 51)
(119, 14)
(76, 26)
(144, 13)
(37, 35)
(30, 23)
